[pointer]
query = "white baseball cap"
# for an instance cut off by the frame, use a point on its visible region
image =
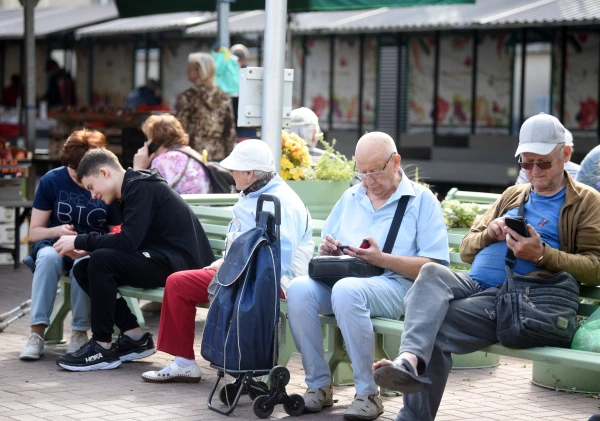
(540, 134)
(303, 116)
(568, 138)
(250, 155)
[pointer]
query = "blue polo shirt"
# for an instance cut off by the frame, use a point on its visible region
(543, 214)
(422, 233)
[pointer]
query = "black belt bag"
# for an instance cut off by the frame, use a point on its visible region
(330, 269)
(536, 310)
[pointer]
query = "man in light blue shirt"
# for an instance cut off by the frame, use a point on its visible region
(365, 211)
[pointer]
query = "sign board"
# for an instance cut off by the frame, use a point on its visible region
(250, 97)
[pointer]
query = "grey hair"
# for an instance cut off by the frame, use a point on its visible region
(206, 67)
(261, 175)
(306, 131)
(240, 51)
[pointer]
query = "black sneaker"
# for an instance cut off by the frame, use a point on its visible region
(89, 357)
(129, 349)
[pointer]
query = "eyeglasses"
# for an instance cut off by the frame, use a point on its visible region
(545, 165)
(376, 174)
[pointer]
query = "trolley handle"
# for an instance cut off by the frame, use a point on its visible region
(276, 203)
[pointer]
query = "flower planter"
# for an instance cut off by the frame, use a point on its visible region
(319, 196)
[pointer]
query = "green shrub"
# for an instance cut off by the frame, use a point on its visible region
(458, 214)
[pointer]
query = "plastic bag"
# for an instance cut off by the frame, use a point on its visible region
(228, 71)
(587, 337)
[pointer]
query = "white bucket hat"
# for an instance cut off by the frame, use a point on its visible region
(250, 155)
(540, 134)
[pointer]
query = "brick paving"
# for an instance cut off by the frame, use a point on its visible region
(42, 391)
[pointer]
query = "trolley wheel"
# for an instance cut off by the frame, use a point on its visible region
(258, 389)
(228, 393)
(259, 409)
(297, 406)
(279, 372)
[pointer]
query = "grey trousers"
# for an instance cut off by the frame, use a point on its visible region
(446, 312)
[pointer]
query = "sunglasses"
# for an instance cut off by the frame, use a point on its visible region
(544, 165)
(377, 174)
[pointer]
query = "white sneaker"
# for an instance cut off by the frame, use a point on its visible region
(78, 339)
(174, 373)
(364, 408)
(317, 399)
(33, 349)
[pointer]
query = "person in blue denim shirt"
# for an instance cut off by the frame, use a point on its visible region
(62, 206)
(589, 173)
(365, 211)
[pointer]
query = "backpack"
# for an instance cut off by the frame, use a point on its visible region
(221, 180)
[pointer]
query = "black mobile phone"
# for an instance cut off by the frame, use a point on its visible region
(517, 224)
(341, 248)
(152, 147)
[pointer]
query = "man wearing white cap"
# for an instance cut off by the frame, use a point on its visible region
(305, 123)
(252, 166)
(453, 312)
(571, 167)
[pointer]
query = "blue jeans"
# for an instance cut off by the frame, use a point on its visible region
(353, 301)
(48, 269)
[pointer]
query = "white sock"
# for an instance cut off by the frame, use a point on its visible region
(168, 368)
(184, 362)
(135, 336)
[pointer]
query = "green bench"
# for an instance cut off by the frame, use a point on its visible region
(484, 199)
(553, 367)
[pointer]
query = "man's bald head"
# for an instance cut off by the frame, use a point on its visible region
(375, 144)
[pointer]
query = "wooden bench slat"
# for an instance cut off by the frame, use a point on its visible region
(215, 230)
(217, 244)
(570, 357)
(212, 199)
(223, 214)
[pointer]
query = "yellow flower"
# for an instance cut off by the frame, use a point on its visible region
(295, 158)
(285, 163)
(296, 173)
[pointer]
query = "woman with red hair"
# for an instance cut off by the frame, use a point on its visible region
(63, 207)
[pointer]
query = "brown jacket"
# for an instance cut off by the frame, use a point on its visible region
(206, 115)
(579, 236)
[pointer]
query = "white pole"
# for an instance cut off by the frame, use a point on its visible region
(272, 100)
(223, 22)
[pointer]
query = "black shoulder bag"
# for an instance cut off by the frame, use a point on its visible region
(330, 269)
(536, 310)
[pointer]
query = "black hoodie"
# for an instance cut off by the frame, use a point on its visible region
(157, 220)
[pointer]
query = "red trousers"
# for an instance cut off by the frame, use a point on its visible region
(183, 291)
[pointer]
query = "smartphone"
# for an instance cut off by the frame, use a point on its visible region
(517, 224)
(365, 244)
(152, 147)
(341, 248)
